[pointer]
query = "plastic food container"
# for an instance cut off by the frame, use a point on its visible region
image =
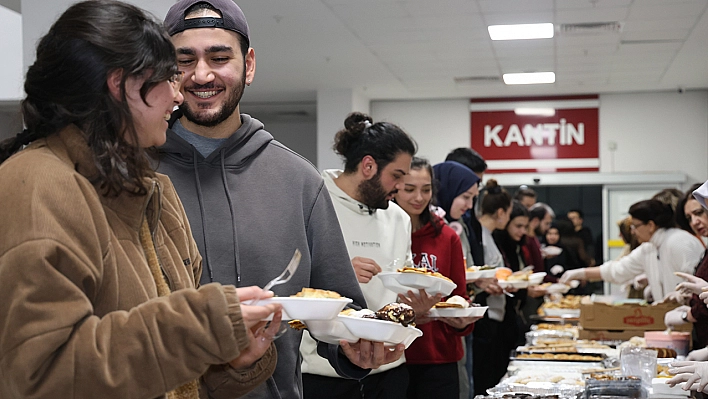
(676, 340)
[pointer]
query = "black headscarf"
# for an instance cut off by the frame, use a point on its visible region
(453, 179)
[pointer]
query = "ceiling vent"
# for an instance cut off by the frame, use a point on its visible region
(589, 28)
(470, 80)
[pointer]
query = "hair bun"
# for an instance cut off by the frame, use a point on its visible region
(357, 121)
(493, 187)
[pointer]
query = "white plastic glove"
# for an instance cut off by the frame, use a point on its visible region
(570, 275)
(690, 373)
(640, 282)
(557, 269)
(704, 297)
(674, 317)
(692, 284)
(677, 296)
(699, 355)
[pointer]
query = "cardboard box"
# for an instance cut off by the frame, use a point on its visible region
(609, 335)
(626, 317)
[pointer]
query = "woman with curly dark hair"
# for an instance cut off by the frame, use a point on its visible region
(97, 260)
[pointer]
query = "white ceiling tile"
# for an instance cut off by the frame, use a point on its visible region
(441, 8)
(649, 48)
(527, 64)
(644, 11)
(496, 6)
(573, 4)
(659, 24)
(658, 35)
(510, 18)
(358, 10)
(577, 16)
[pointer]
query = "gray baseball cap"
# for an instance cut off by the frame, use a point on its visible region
(232, 17)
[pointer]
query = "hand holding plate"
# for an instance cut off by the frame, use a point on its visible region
(260, 338)
(371, 355)
(420, 303)
(253, 314)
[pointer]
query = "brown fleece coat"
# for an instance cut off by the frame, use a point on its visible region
(80, 315)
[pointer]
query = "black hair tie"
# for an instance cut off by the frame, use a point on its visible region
(495, 190)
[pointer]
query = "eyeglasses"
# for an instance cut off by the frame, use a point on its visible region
(176, 78)
(636, 226)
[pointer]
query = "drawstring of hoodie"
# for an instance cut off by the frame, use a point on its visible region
(201, 210)
(233, 222)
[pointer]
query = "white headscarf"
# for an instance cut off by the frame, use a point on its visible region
(701, 194)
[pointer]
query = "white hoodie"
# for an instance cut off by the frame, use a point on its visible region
(384, 236)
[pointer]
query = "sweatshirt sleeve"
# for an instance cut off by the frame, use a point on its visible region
(52, 344)
(332, 270)
(626, 268)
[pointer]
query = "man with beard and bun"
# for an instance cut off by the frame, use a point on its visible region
(250, 200)
(378, 236)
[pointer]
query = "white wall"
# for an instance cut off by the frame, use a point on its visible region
(11, 49)
(437, 126)
(300, 137)
(658, 132)
(654, 132)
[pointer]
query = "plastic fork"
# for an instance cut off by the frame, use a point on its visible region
(285, 276)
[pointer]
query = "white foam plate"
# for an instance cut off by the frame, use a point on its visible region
(660, 387)
(330, 331)
(471, 276)
(518, 284)
(551, 250)
(401, 283)
(307, 308)
(536, 278)
(561, 312)
(388, 332)
(557, 288)
(474, 311)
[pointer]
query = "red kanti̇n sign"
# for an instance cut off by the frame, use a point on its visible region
(559, 135)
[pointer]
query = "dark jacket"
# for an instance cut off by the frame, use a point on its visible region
(251, 203)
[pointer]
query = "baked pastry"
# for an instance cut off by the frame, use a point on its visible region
(422, 271)
(297, 325)
(316, 293)
(664, 352)
(397, 313)
(454, 301)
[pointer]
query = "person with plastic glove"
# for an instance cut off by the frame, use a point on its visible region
(699, 355)
(693, 284)
(583, 274)
(694, 374)
(680, 315)
(665, 250)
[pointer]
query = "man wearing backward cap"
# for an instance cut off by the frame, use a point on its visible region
(250, 200)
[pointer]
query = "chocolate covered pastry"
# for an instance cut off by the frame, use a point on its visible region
(398, 313)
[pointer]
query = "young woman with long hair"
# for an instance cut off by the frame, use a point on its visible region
(432, 359)
(97, 260)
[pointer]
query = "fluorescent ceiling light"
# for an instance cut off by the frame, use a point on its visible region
(529, 78)
(521, 31)
(535, 111)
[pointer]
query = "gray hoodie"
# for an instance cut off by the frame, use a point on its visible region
(250, 204)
